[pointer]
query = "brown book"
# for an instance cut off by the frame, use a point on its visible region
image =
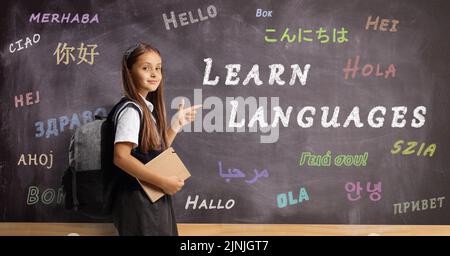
(167, 164)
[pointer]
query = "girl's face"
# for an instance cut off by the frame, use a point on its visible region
(146, 72)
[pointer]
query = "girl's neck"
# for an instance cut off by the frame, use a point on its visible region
(143, 94)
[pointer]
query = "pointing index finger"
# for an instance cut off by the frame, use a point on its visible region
(196, 107)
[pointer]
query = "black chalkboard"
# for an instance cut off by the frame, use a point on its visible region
(380, 66)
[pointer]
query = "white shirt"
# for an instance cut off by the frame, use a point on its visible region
(128, 124)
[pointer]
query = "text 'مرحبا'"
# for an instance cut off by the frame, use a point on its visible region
(233, 173)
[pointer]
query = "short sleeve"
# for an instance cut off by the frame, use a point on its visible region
(128, 127)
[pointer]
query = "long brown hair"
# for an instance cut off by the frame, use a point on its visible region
(154, 136)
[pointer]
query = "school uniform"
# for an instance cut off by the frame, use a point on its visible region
(133, 212)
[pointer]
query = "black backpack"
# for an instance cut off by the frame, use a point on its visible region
(90, 180)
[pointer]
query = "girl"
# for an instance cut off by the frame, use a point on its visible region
(143, 82)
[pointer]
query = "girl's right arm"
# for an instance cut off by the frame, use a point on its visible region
(125, 161)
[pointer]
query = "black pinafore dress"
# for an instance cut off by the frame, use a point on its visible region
(133, 212)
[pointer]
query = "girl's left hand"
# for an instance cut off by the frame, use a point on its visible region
(184, 116)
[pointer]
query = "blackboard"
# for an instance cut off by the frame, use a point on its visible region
(385, 163)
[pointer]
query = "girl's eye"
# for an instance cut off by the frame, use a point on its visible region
(145, 68)
(158, 68)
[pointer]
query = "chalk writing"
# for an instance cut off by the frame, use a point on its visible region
(17, 46)
(33, 160)
(317, 160)
(229, 115)
(208, 204)
(193, 18)
(382, 25)
(276, 70)
(410, 147)
(354, 190)
(64, 53)
(300, 35)
(419, 205)
(63, 18)
(54, 129)
(308, 121)
(236, 173)
(19, 100)
(285, 199)
(263, 13)
(367, 70)
(47, 197)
